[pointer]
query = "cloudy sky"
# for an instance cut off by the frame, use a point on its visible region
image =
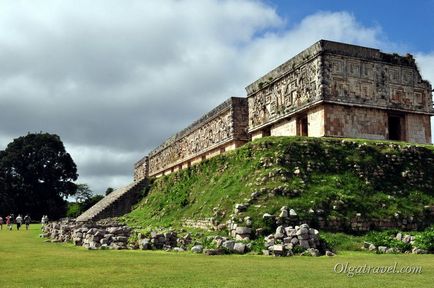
(115, 78)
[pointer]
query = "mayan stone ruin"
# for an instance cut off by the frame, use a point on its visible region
(328, 90)
(222, 129)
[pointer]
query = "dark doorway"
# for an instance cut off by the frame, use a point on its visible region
(266, 132)
(396, 123)
(302, 126)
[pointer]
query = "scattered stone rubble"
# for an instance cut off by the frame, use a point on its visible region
(109, 234)
(405, 238)
(288, 239)
(106, 234)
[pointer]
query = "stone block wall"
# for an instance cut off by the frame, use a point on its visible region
(315, 118)
(355, 122)
(418, 128)
(222, 129)
(141, 168)
(369, 123)
(284, 128)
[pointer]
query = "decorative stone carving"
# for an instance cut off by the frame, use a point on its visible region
(292, 91)
(223, 124)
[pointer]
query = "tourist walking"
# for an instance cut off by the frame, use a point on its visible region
(1, 223)
(19, 221)
(27, 221)
(9, 222)
(44, 221)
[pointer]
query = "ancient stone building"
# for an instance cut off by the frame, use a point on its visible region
(222, 129)
(340, 90)
(330, 89)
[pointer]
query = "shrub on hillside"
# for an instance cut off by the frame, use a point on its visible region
(387, 238)
(425, 240)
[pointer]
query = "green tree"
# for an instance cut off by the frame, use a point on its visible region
(36, 175)
(83, 193)
(109, 190)
(84, 199)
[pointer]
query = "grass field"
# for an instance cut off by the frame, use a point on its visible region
(28, 261)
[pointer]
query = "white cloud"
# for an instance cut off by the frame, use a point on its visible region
(115, 78)
(272, 49)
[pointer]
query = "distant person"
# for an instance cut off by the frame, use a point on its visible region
(19, 221)
(27, 221)
(8, 222)
(44, 221)
(1, 223)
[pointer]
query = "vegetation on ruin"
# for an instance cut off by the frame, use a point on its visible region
(317, 177)
(28, 261)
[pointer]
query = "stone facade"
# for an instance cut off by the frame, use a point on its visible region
(141, 168)
(222, 129)
(330, 89)
(340, 90)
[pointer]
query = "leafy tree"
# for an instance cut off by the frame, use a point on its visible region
(83, 193)
(36, 175)
(73, 210)
(78, 207)
(109, 190)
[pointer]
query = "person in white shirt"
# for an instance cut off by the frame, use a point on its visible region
(19, 221)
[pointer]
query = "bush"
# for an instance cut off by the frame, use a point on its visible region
(425, 240)
(73, 210)
(258, 245)
(387, 238)
(341, 241)
(298, 249)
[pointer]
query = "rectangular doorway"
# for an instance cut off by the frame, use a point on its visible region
(396, 127)
(302, 126)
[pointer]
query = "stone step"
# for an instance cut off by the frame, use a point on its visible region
(107, 201)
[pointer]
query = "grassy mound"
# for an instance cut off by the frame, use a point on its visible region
(319, 178)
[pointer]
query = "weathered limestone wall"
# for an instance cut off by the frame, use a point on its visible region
(315, 118)
(284, 128)
(369, 123)
(141, 168)
(418, 128)
(222, 129)
(355, 122)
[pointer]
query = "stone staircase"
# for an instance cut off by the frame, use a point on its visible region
(116, 203)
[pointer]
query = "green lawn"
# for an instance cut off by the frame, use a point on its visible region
(28, 261)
